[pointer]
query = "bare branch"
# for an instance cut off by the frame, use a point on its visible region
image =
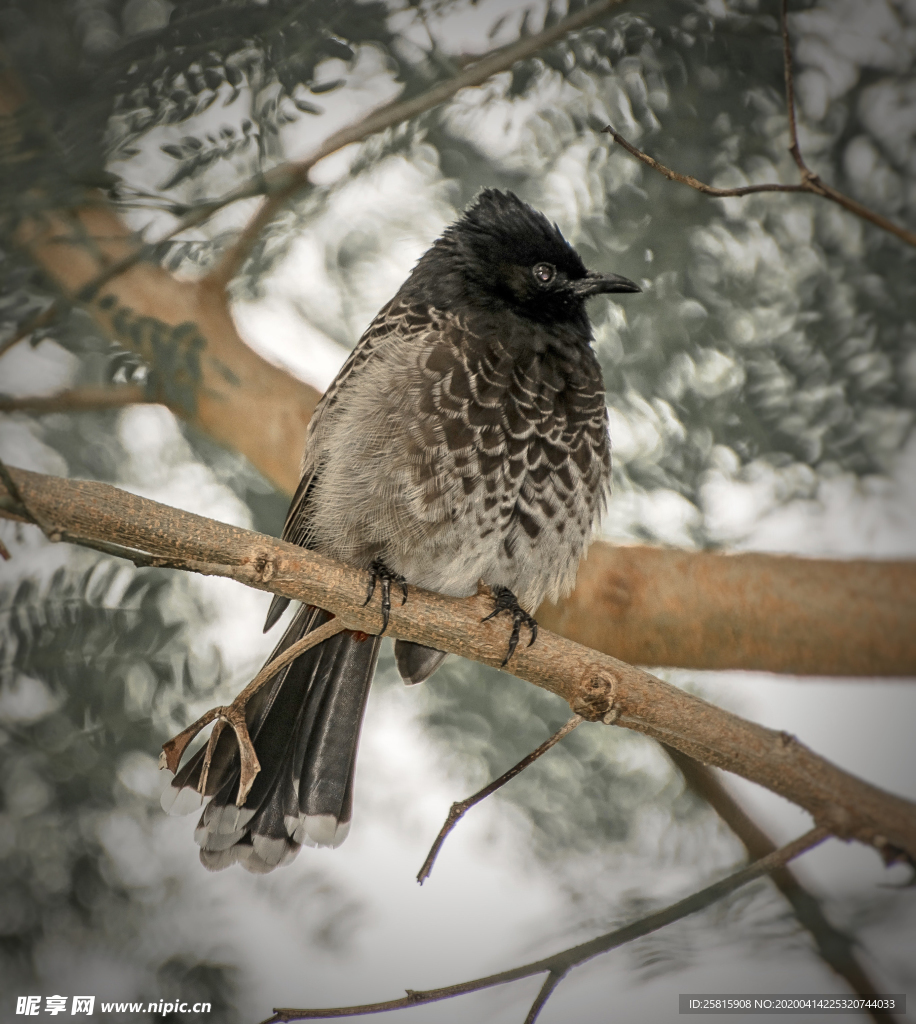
(561, 963)
(810, 181)
(234, 715)
(552, 980)
(835, 948)
(593, 684)
(790, 86)
(78, 400)
(771, 613)
(686, 179)
(30, 325)
(236, 386)
(461, 807)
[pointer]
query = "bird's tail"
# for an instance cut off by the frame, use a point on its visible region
(305, 729)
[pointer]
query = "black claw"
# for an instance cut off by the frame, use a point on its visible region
(506, 601)
(379, 572)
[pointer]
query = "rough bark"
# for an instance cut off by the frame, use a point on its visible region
(805, 616)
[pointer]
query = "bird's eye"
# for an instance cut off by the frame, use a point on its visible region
(544, 273)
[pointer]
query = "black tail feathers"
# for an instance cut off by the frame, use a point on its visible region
(305, 729)
(415, 662)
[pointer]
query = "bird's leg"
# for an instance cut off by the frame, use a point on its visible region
(380, 573)
(505, 601)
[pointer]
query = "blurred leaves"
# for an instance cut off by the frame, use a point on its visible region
(84, 659)
(172, 352)
(194, 155)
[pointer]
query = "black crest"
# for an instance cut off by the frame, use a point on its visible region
(487, 259)
(500, 229)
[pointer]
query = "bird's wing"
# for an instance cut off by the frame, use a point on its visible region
(397, 322)
(296, 529)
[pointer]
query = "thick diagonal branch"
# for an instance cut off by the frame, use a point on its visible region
(291, 178)
(80, 399)
(593, 684)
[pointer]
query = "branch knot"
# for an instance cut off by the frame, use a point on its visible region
(265, 567)
(594, 700)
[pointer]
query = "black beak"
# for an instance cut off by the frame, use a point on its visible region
(598, 284)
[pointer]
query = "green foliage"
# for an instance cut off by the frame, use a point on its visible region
(84, 659)
(194, 156)
(172, 353)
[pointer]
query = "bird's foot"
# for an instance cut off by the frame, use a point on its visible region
(381, 574)
(505, 601)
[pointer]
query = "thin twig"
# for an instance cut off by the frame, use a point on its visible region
(461, 807)
(30, 325)
(810, 182)
(317, 636)
(700, 186)
(835, 947)
(790, 86)
(282, 183)
(561, 963)
(234, 715)
(78, 400)
(552, 980)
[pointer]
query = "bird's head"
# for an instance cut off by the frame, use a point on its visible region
(502, 252)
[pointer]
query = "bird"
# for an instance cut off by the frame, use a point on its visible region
(464, 441)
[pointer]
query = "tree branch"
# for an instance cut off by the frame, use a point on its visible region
(596, 686)
(789, 77)
(458, 809)
(695, 183)
(234, 716)
(772, 613)
(560, 964)
(235, 387)
(287, 180)
(30, 325)
(294, 176)
(551, 982)
(810, 181)
(78, 400)
(833, 946)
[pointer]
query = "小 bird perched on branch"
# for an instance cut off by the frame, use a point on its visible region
(464, 440)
